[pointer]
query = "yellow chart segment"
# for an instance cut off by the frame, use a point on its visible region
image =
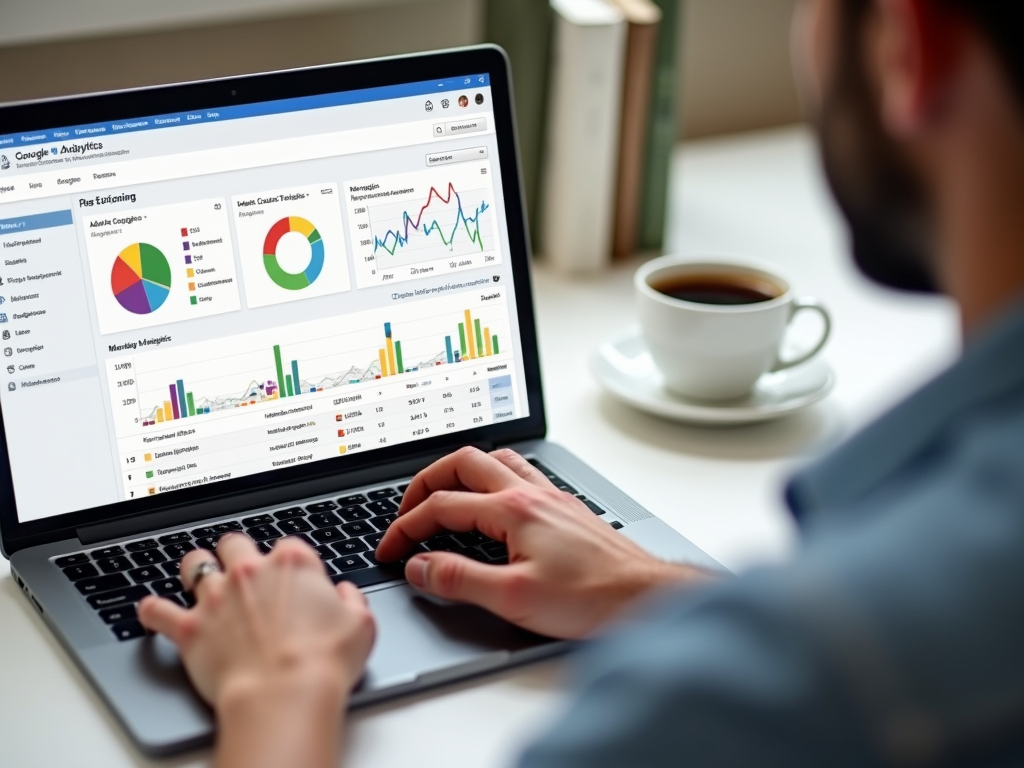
(132, 256)
(296, 224)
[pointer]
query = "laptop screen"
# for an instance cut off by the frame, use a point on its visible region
(195, 297)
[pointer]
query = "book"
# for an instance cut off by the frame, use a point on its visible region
(662, 129)
(523, 29)
(643, 18)
(581, 154)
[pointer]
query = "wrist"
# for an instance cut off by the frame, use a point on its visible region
(297, 692)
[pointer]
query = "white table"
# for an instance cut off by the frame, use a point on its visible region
(759, 195)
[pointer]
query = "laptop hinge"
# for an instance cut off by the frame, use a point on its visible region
(242, 502)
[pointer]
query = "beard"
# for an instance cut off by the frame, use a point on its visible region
(874, 186)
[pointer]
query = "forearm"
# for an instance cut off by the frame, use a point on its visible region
(274, 725)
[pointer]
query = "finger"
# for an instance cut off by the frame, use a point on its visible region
(295, 551)
(454, 577)
(446, 510)
(522, 467)
(163, 616)
(188, 569)
(350, 593)
(466, 469)
(235, 548)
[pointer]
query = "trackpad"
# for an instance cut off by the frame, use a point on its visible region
(420, 640)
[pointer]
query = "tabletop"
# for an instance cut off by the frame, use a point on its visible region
(757, 195)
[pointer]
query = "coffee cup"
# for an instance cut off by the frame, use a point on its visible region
(715, 327)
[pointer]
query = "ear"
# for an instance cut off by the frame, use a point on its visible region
(915, 47)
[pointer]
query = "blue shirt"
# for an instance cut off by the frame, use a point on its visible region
(896, 635)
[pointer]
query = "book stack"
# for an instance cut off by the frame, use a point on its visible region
(595, 91)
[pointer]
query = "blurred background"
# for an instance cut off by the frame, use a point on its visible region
(734, 60)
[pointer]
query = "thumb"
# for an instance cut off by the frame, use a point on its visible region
(454, 577)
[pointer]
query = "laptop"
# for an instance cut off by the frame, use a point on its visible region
(263, 304)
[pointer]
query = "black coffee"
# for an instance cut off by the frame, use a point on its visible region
(718, 289)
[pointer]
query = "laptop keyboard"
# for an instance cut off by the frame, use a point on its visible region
(344, 532)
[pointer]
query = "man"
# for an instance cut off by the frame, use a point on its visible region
(895, 637)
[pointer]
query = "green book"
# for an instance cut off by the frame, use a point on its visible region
(523, 29)
(662, 130)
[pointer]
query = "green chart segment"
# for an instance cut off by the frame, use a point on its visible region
(293, 281)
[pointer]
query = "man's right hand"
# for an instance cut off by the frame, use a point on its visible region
(568, 571)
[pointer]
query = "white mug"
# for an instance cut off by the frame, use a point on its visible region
(719, 351)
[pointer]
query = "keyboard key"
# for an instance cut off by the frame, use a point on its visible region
(294, 526)
(249, 522)
(495, 549)
(350, 563)
(325, 535)
(188, 598)
(321, 506)
(208, 543)
(79, 572)
(373, 540)
(178, 551)
(77, 559)
(173, 568)
(166, 586)
(368, 577)
(263, 532)
(147, 573)
(382, 493)
(138, 546)
(115, 564)
(355, 498)
(443, 544)
(349, 547)
(201, 533)
(101, 554)
(325, 552)
(593, 507)
(355, 512)
(616, 525)
(120, 613)
(176, 538)
(300, 536)
(563, 486)
(328, 568)
(324, 519)
(148, 557)
(291, 512)
(357, 528)
(102, 584)
(469, 538)
(381, 523)
(403, 488)
(382, 507)
(266, 546)
(119, 596)
(231, 525)
(128, 630)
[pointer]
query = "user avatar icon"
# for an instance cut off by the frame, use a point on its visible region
(463, 101)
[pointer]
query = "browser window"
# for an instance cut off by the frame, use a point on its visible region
(191, 298)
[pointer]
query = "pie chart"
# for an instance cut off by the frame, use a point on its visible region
(141, 278)
(293, 281)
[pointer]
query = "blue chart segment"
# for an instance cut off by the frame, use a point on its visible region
(423, 224)
(442, 220)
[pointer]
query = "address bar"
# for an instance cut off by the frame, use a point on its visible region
(222, 160)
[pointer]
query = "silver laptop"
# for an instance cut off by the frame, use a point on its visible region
(263, 304)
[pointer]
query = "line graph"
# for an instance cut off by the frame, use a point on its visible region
(422, 224)
(438, 208)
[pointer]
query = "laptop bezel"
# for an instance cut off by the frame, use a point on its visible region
(247, 89)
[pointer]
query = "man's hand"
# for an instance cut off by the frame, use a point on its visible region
(273, 646)
(568, 573)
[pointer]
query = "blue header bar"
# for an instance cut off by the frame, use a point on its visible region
(132, 125)
(35, 221)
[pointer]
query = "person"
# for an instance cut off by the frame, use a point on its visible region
(892, 638)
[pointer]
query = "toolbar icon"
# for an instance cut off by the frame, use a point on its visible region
(11, 386)
(8, 352)
(3, 317)
(7, 335)
(10, 369)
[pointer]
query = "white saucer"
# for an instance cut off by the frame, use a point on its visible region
(624, 367)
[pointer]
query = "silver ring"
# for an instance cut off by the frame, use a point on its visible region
(203, 570)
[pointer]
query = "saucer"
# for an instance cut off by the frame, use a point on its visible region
(623, 365)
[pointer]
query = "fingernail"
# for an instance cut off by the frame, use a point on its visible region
(416, 571)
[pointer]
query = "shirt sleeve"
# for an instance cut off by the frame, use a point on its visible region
(730, 678)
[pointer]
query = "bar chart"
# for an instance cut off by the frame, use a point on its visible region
(242, 373)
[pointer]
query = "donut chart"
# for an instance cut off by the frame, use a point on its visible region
(141, 278)
(293, 281)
